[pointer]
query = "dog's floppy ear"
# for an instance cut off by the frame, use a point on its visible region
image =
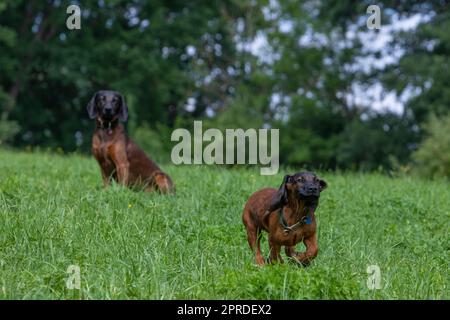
(123, 114)
(322, 185)
(91, 107)
(281, 197)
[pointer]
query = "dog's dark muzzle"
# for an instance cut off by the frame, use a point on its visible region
(309, 192)
(108, 113)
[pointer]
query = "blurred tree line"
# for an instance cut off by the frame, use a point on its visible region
(288, 64)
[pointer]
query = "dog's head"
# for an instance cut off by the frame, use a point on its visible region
(108, 106)
(301, 186)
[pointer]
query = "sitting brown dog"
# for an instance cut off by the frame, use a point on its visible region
(287, 214)
(118, 156)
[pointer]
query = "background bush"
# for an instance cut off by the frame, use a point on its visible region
(432, 159)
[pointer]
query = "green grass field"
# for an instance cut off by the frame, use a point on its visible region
(54, 212)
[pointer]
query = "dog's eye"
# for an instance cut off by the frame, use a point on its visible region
(301, 180)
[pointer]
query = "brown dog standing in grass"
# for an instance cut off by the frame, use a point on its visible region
(118, 156)
(287, 214)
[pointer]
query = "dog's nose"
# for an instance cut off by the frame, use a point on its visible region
(108, 109)
(313, 189)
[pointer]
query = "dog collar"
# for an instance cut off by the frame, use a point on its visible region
(107, 125)
(304, 220)
(308, 219)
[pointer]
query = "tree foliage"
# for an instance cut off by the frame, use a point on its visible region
(177, 61)
(432, 158)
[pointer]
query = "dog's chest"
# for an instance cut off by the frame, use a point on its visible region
(295, 236)
(102, 147)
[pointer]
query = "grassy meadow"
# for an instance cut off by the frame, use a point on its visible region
(54, 212)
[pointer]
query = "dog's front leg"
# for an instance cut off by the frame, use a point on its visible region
(106, 168)
(120, 159)
(290, 251)
(106, 177)
(311, 250)
(274, 252)
(123, 172)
